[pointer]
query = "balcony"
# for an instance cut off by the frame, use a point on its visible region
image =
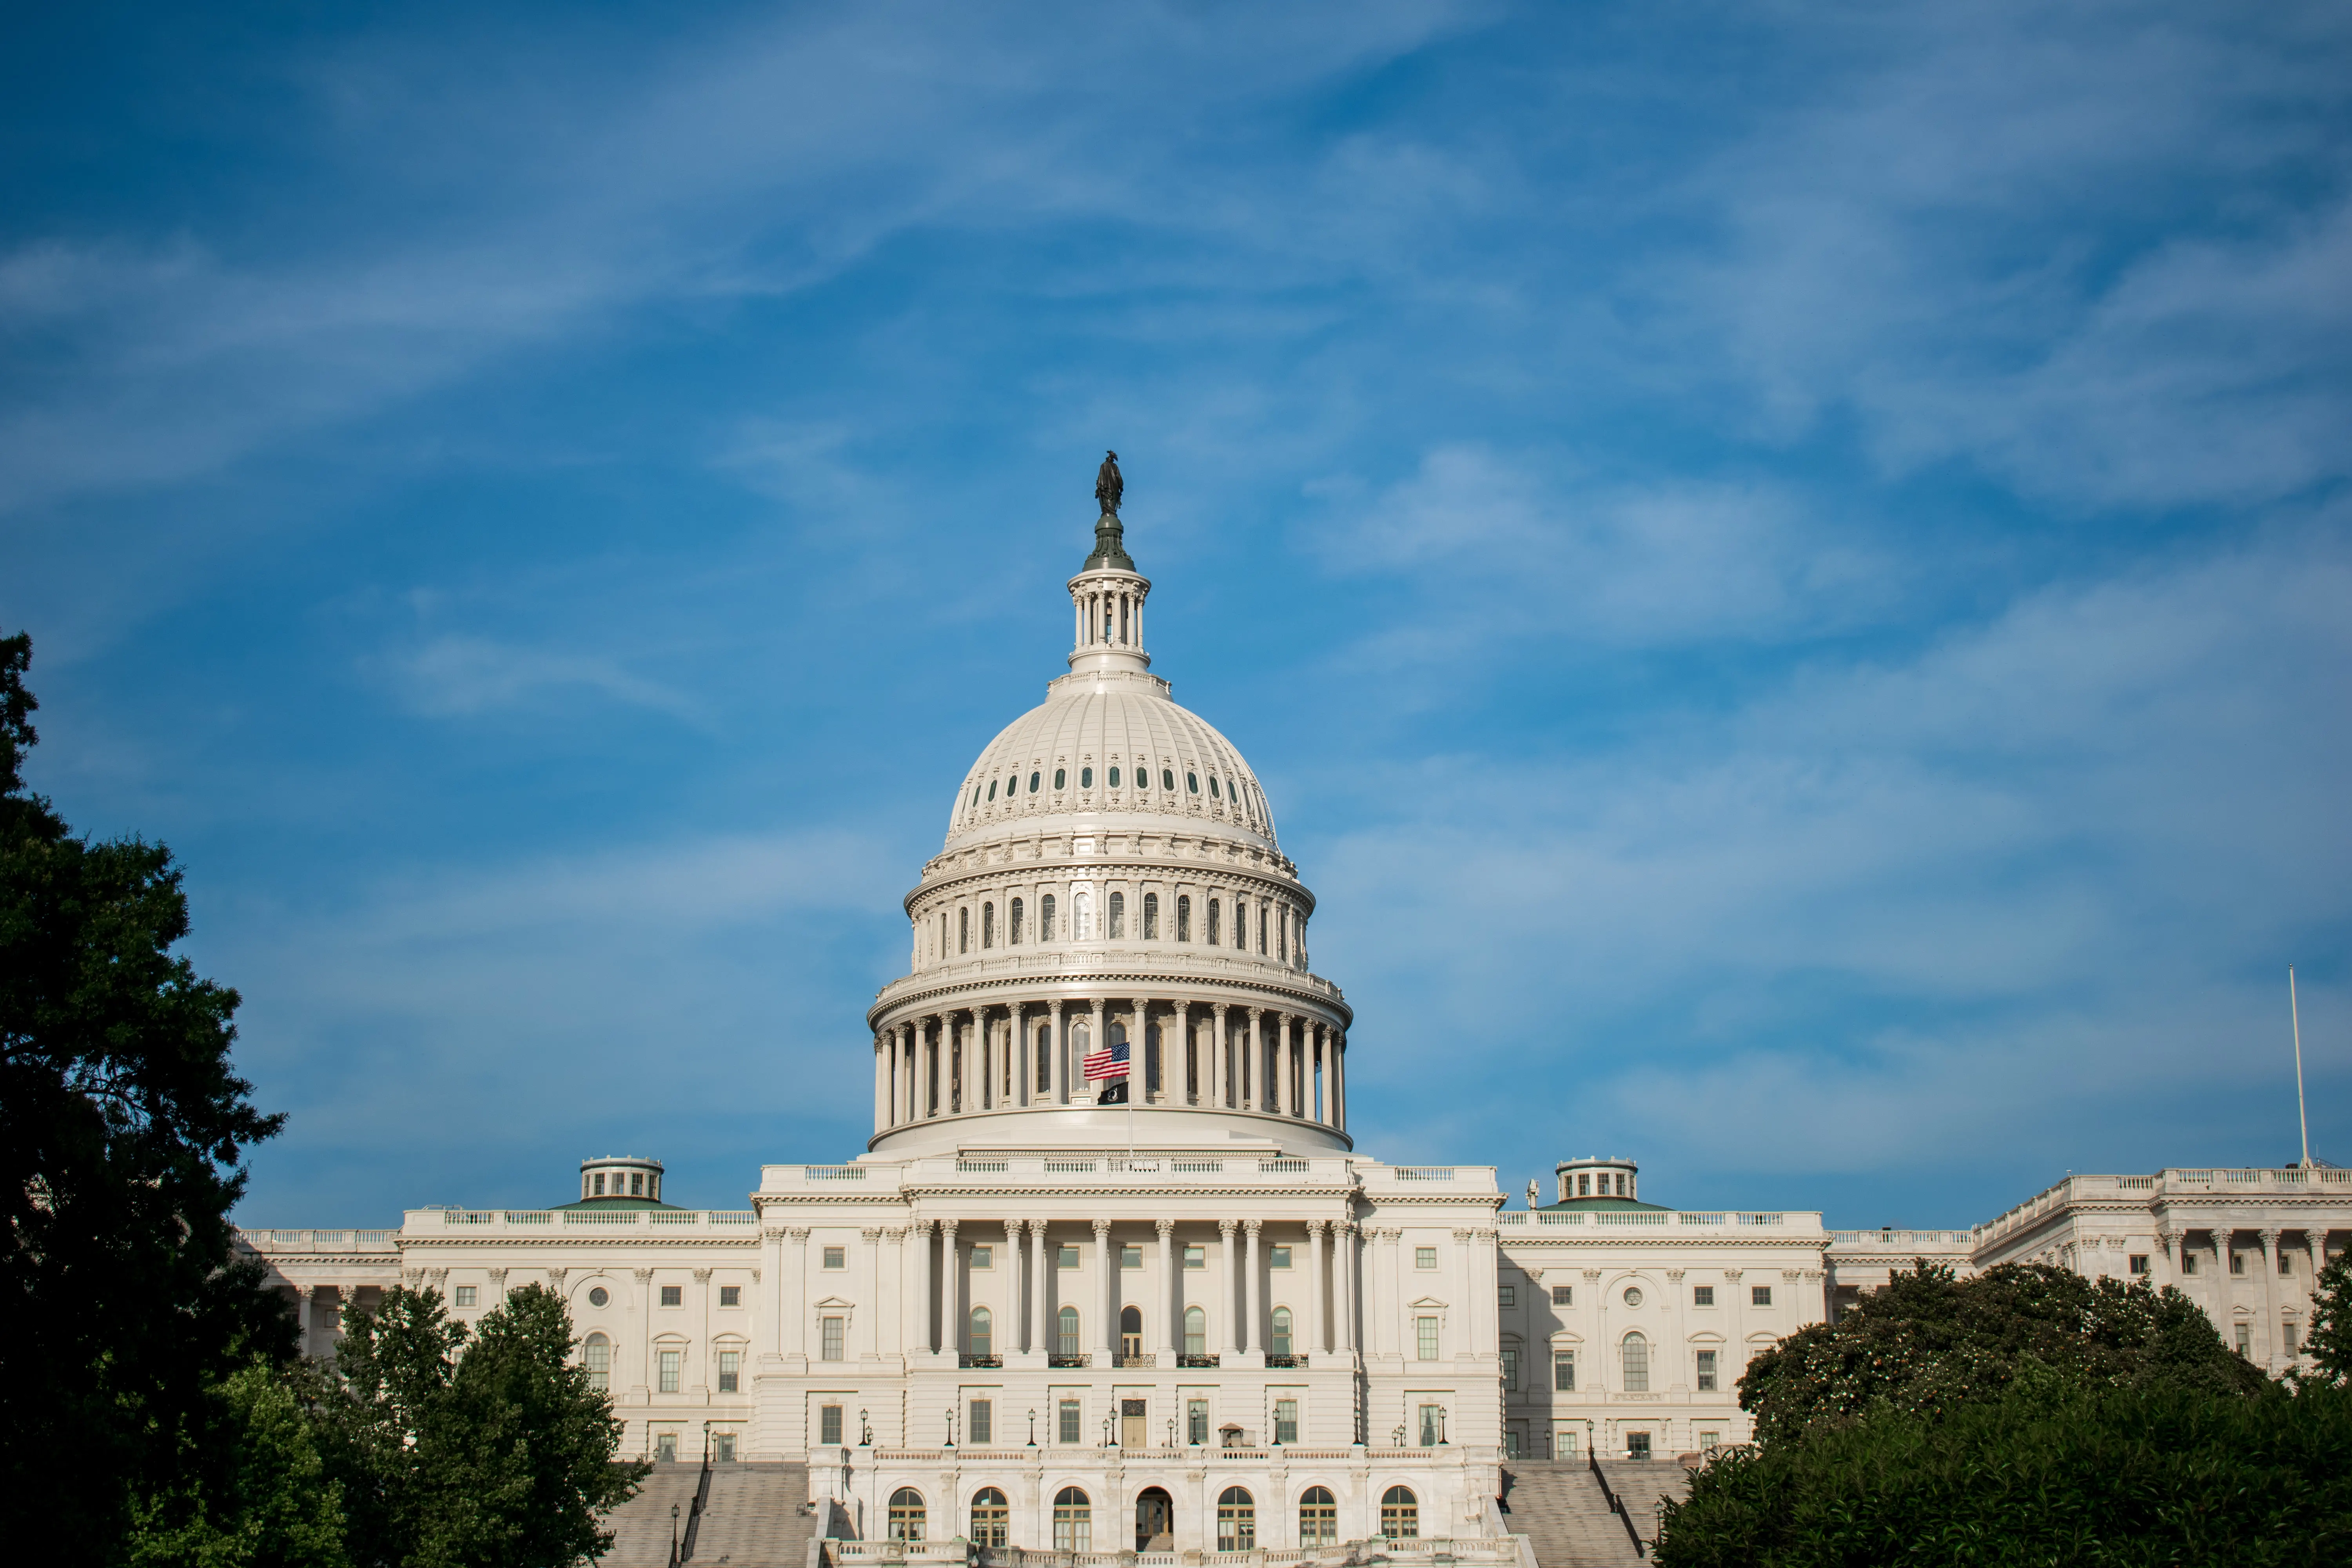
(1141, 1358)
(1275, 1359)
(966, 1359)
(1058, 1360)
(1196, 1361)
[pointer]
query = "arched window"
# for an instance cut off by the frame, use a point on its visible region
(1015, 933)
(1065, 1323)
(1282, 932)
(1082, 912)
(1212, 922)
(906, 1514)
(963, 931)
(1074, 1521)
(1636, 1352)
(1280, 1339)
(1196, 1332)
(987, 925)
(989, 1517)
(1318, 1517)
(1193, 784)
(596, 1355)
(1130, 1332)
(1046, 918)
(983, 1332)
(1184, 917)
(1240, 925)
(1044, 1058)
(1117, 916)
(1151, 917)
(1237, 1520)
(1399, 1514)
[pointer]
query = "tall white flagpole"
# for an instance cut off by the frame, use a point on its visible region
(2295, 1014)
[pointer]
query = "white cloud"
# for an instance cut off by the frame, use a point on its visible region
(460, 675)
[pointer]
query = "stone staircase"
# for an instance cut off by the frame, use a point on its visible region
(750, 1519)
(1640, 1484)
(1560, 1508)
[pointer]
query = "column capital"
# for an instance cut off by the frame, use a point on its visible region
(1674, 1274)
(2270, 1238)
(643, 1276)
(871, 1233)
(948, 1228)
(1166, 1227)
(1225, 1228)
(1102, 1229)
(1316, 1227)
(799, 1233)
(702, 1276)
(308, 1290)
(1253, 1224)
(1592, 1276)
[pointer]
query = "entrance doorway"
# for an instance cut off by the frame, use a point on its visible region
(1155, 1515)
(1130, 1425)
(1637, 1444)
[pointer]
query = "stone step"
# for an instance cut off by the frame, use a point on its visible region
(1560, 1509)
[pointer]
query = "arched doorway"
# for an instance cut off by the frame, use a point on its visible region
(1155, 1520)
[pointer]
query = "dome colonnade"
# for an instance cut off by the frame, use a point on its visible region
(1110, 877)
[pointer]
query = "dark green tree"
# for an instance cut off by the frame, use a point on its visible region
(2050, 1470)
(1928, 1343)
(253, 1492)
(2329, 1341)
(457, 1448)
(122, 1128)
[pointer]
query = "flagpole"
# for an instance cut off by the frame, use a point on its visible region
(2295, 1014)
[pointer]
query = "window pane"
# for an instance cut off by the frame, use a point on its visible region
(1760, 1295)
(1563, 1295)
(1705, 1370)
(669, 1361)
(731, 1295)
(1067, 1429)
(981, 1429)
(1563, 1371)
(1426, 1338)
(1286, 1421)
(1636, 1351)
(830, 1340)
(828, 1424)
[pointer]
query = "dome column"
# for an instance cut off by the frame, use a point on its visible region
(1340, 1071)
(881, 1085)
(1219, 1047)
(1058, 1053)
(1096, 1038)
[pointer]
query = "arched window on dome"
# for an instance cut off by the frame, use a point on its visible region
(1033, 782)
(1282, 931)
(1212, 922)
(1261, 930)
(1085, 778)
(1212, 788)
(1168, 779)
(1114, 778)
(1151, 917)
(1046, 918)
(1061, 778)
(987, 926)
(1117, 916)
(963, 931)
(1183, 917)
(1193, 784)
(1045, 1059)
(1240, 926)
(1082, 916)
(1634, 1355)
(1012, 927)
(992, 789)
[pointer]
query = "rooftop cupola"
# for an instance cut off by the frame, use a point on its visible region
(1107, 594)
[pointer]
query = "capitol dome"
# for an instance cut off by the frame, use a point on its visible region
(1110, 886)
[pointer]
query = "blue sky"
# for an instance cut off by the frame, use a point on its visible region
(1786, 570)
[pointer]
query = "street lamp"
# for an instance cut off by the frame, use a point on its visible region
(673, 1535)
(951, 1415)
(1032, 1429)
(865, 1430)
(1400, 1435)
(1106, 1431)
(1172, 1431)
(1441, 1416)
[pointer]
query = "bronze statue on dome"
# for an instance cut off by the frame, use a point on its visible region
(1108, 487)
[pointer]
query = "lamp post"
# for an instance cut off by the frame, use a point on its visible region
(1106, 1431)
(673, 1535)
(865, 1430)
(951, 1419)
(1400, 1435)
(1172, 1431)
(1033, 1427)
(1440, 1412)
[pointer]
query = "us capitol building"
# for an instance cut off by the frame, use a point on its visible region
(1111, 1273)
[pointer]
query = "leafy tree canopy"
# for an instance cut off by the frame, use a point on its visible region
(254, 1492)
(122, 1129)
(2330, 1341)
(485, 1447)
(1928, 1343)
(2052, 1470)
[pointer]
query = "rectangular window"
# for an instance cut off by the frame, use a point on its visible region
(1151, 917)
(1511, 1444)
(2287, 1336)
(722, 1448)
(1131, 1256)
(1706, 1371)
(665, 1447)
(1563, 1295)
(1184, 918)
(1279, 1258)
(1563, 1371)
(1286, 1421)
(836, 1258)
(1507, 1294)
(1196, 1422)
(1067, 1256)
(2237, 1263)
(2188, 1262)
(669, 1361)
(828, 1426)
(983, 1258)
(1013, 933)
(2139, 1263)
(1510, 1369)
(1068, 1428)
(1212, 922)
(981, 1430)
(1702, 1295)
(1709, 1441)
(1759, 1295)
(1432, 1424)
(2245, 1341)
(829, 1339)
(1425, 1334)
(730, 1371)
(731, 1295)
(1118, 915)
(673, 1295)
(1046, 918)
(465, 1295)
(1196, 1257)
(1425, 1258)
(2286, 1261)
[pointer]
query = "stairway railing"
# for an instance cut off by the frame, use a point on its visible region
(1616, 1504)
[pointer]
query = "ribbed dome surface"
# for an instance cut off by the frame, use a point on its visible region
(1057, 760)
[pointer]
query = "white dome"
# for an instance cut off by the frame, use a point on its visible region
(1058, 760)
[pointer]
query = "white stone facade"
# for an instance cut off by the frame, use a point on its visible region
(1024, 1292)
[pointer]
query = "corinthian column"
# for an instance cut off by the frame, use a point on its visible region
(1228, 1296)
(1253, 1335)
(1318, 1314)
(1106, 1319)
(1170, 1304)
(1038, 1277)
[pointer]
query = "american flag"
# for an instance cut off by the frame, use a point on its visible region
(1108, 1062)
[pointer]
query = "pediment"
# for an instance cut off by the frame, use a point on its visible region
(834, 1302)
(1426, 1302)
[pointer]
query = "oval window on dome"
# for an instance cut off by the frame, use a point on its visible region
(1033, 782)
(1168, 779)
(1013, 786)
(1085, 778)
(1213, 787)
(992, 789)
(1114, 778)
(1061, 777)
(1192, 783)
(976, 794)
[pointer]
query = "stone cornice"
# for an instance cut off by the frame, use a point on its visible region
(1043, 987)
